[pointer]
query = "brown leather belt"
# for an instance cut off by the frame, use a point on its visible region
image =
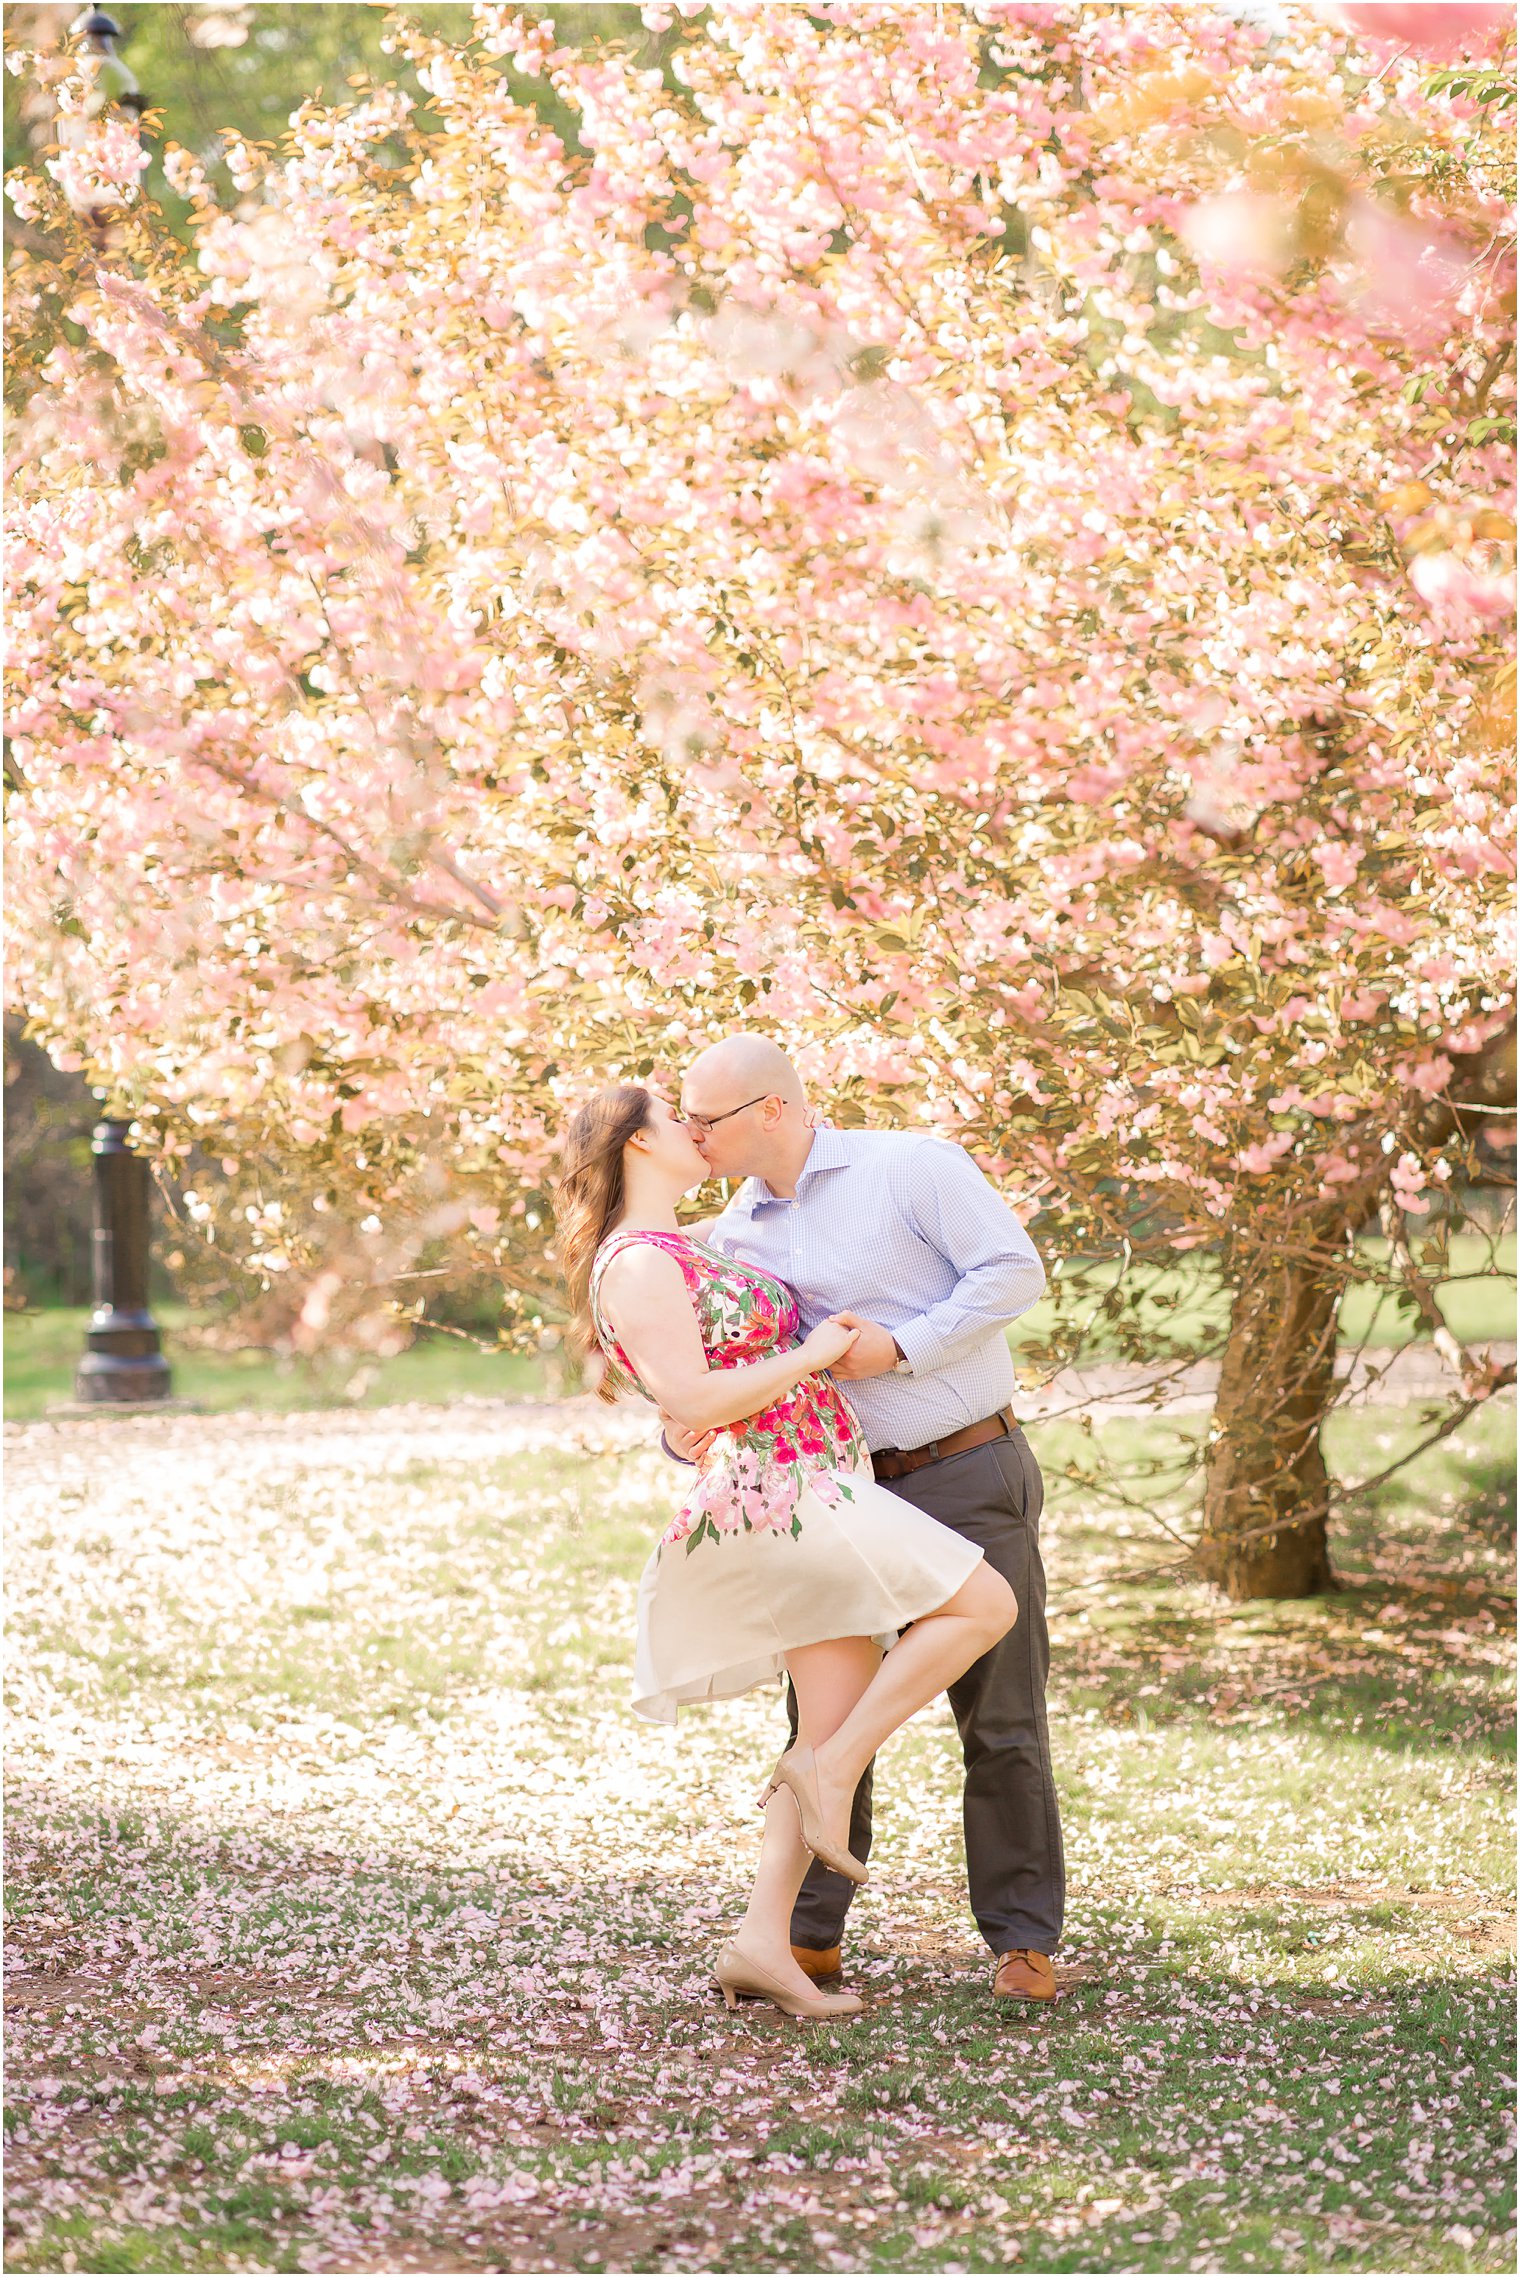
(898, 1462)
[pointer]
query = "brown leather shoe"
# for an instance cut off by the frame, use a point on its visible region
(818, 1965)
(1024, 1975)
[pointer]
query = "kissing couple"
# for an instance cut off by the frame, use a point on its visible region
(830, 1353)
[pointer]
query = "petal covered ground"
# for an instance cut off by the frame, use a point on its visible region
(356, 1924)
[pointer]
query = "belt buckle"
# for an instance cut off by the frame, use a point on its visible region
(931, 1452)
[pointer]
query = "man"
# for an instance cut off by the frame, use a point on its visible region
(901, 1231)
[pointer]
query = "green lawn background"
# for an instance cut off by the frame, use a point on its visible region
(1182, 1308)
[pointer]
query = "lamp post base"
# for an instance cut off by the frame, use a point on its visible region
(103, 1380)
(122, 1360)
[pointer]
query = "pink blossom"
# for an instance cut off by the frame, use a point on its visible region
(1339, 863)
(1409, 275)
(1454, 587)
(1239, 231)
(1259, 1159)
(1430, 1076)
(1408, 1179)
(1436, 29)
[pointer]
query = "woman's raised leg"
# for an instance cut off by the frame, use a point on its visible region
(829, 1680)
(926, 1658)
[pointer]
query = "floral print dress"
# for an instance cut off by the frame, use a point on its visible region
(784, 1538)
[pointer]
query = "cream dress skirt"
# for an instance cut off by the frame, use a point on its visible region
(720, 1617)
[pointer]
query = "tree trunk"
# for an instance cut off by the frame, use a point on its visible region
(1266, 1490)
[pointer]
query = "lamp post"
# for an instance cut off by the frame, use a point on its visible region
(123, 1361)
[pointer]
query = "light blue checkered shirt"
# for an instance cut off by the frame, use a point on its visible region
(904, 1229)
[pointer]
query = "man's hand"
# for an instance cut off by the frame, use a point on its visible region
(688, 1446)
(873, 1352)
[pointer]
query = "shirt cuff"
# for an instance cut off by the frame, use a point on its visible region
(919, 1345)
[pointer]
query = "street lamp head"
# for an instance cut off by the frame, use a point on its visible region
(97, 30)
(99, 35)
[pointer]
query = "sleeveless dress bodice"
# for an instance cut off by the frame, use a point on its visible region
(753, 1475)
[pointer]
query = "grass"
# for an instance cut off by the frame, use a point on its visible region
(356, 1924)
(1181, 1309)
(43, 1347)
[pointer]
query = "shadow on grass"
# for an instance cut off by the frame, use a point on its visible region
(1410, 1654)
(1488, 1501)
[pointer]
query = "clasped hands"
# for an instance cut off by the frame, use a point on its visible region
(872, 1353)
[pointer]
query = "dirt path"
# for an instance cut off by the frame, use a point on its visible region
(1414, 1372)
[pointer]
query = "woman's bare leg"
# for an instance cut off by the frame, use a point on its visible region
(925, 1659)
(829, 1680)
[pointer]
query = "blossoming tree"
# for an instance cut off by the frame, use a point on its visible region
(973, 536)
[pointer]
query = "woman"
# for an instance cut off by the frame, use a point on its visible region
(786, 1554)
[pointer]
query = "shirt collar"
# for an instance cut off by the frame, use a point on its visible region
(829, 1151)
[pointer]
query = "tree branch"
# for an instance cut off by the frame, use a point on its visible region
(1469, 1370)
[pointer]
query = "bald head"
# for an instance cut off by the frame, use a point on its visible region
(749, 1111)
(744, 1065)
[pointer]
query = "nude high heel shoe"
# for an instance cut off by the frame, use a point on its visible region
(797, 1771)
(737, 1973)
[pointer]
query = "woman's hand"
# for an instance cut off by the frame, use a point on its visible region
(829, 1342)
(686, 1446)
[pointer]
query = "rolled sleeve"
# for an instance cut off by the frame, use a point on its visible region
(998, 1271)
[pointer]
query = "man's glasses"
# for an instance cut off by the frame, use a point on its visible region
(702, 1124)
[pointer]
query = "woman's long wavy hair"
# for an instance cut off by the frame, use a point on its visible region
(588, 1198)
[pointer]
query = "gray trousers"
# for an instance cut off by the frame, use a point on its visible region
(1015, 1867)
